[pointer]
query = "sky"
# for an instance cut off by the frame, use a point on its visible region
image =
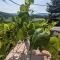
(10, 7)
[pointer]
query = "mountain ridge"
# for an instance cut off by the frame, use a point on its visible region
(7, 15)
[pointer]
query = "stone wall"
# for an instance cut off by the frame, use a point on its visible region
(21, 52)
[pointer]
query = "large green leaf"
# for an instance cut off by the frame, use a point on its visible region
(53, 40)
(6, 26)
(24, 8)
(40, 39)
(0, 44)
(20, 35)
(29, 1)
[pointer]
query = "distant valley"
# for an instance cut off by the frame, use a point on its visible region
(39, 15)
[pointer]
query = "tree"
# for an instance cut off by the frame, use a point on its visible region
(54, 7)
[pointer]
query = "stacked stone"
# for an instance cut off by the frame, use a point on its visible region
(21, 52)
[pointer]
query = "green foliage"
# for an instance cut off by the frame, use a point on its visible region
(40, 39)
(53, 40)
(29, 1)
(0, 44)
(24, 8)
(54, 53)
(54, 46)
(7, 34)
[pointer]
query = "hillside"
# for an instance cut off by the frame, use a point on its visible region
(7, 15)
(38, 15)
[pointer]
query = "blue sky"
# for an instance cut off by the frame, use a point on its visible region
(9, 7)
